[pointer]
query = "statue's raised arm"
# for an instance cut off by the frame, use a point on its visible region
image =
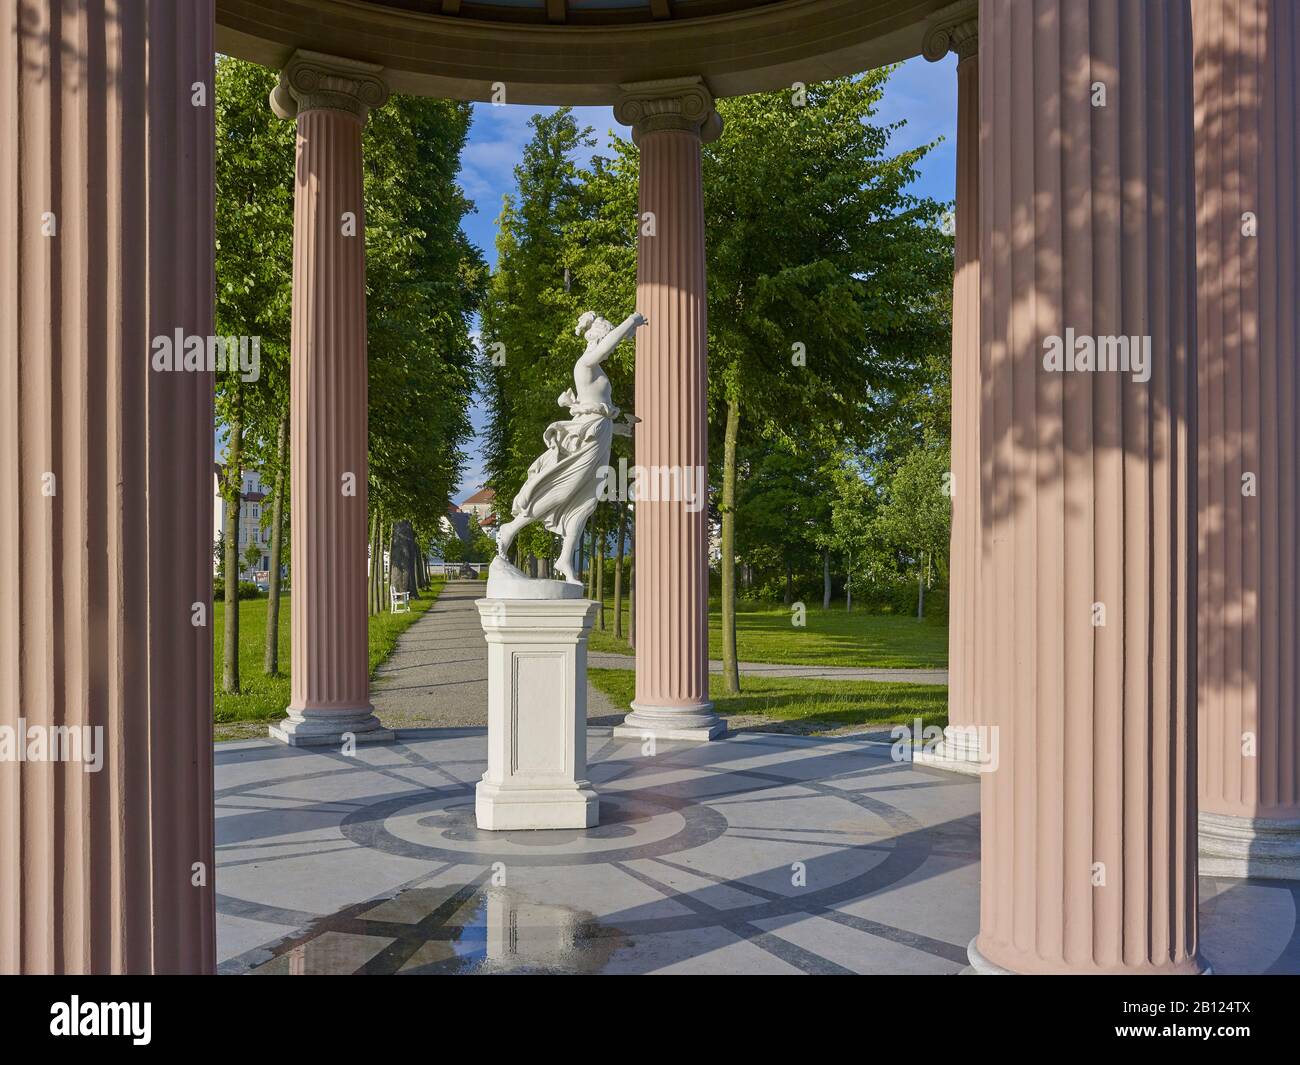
(561, 489)
(613, 339)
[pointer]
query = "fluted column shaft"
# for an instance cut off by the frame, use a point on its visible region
(1087, 654)
(1247, 85)
(330, 692)
(956, 29)
(106, 242)
(669, 120)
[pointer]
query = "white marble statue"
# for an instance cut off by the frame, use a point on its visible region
(560, 492)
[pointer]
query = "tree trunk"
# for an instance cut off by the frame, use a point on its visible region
(401, 557)
(271, 656)
(727, 561)
(591, 564)
(234, 483)
(385, 580)
(377, 562)
(600, 581)
(618, 571)
(920, 591)
(789, 581)
(826, 578)
(370, 570)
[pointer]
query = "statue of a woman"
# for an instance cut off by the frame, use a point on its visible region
(561, 488)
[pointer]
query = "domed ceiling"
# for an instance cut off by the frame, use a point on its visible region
(580, 51)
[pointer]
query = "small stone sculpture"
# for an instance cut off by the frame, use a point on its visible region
(560, 492)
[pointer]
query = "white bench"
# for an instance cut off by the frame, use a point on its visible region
(399, 602)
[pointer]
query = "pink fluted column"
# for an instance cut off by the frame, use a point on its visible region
(106, 242)
(1247, 112)
(956, 29)
(1088, 857)
(330, 694)
(669, 120)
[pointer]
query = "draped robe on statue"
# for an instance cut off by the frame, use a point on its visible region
(564, 476)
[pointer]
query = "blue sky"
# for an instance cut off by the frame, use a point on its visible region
(922, 93)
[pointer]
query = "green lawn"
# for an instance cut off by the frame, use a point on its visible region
(815, 704)
(264, 698)
(835, 637)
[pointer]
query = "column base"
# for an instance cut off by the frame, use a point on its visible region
(506, 809)
(981, 966)
(958, 751)
(328, 728)
(691, 724)
(1235, 846)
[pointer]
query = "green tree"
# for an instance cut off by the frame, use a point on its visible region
(854, 532)
(824, 277)
(480, 546)
(424, 281)
(252, 555)
(254, 270)
(531, 308)
(917, 512)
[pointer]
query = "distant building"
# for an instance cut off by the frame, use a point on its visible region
(457, 521)
(252, 497)
(482, 504)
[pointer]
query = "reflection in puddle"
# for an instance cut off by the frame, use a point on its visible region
(456, 929)
(502, 932)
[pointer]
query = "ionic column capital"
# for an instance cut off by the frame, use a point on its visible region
(313, 80)
(669, 104)
(955, 28)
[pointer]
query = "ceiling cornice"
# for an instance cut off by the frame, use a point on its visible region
(755, 49)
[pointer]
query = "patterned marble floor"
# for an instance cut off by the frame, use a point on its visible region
(755, 854)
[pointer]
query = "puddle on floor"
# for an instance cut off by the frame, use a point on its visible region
(452, 929)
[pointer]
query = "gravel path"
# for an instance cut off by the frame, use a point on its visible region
(437, 676)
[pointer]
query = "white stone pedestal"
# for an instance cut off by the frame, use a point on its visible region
(537, 715)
